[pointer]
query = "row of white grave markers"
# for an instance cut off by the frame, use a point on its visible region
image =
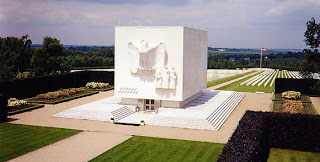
(267, 76)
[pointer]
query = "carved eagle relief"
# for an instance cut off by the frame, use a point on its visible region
(146, 58)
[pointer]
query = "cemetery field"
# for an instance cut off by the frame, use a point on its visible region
(19, 139)
(262, 82)
(219, 81)
(236, 87)
(140, 148)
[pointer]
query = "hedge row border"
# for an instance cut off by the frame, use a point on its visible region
(30, 87)
(25, 109)
(257, 132)
(103, 90)
(304, 86)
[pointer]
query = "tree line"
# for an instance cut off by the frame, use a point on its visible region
(287, 61)
(17, 55)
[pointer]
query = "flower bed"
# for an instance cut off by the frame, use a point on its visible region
(16, 106)
(13, 102)
(99, 86)
(291, 95)
(302, 106)
(61, 95)
(292, 107)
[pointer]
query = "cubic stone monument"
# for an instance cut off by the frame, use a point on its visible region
(159, 66)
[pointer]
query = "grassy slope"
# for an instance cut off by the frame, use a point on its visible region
(219, 81)
(19, 139)
(234, 87)
(290, 155)
(159, 149)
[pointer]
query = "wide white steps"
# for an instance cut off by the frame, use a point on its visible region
(122, 113)
(220, 115)
(177, 122)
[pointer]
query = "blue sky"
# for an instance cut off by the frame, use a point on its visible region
(230, 23)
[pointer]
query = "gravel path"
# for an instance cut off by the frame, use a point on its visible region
(100, 136)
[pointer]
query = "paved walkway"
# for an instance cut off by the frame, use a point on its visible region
(98, 133)
(81, 147)
(231, 81)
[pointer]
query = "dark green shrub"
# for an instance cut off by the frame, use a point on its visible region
(3, 108)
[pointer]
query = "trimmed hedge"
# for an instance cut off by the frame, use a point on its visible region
(294, 131)
(302, 85)
(257, 132)
(30, 87)
(3, 108)
(249, 141)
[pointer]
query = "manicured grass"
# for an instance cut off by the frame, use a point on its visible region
(219, 81)
(291, 155)
(236, 87)
(19, 139)
(140, 148)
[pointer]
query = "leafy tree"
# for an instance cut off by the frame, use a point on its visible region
(310, 64)
(15, 54)
(312, 34)
(49, 59)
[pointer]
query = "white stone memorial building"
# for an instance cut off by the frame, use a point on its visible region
(160, 66)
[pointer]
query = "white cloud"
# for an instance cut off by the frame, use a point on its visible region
(291, 6)
(231, 23)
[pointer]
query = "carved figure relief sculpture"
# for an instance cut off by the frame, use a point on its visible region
(158, 80)
(146, 58)
(173, 77)
(165, 78)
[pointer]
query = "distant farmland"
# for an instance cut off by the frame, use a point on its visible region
(211, 52)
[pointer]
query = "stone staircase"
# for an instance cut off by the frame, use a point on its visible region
(180, 122)
(202, 101)
(220, 115)
(121, 113)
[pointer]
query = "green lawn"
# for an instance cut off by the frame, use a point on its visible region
(19, 139)
(290, 155)
(236, 87)
(140, 148)
(219, 81)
